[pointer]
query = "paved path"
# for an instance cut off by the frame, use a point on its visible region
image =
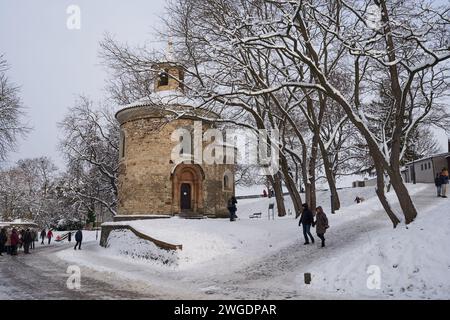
(40, 276)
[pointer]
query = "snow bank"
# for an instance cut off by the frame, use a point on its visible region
(125, 243)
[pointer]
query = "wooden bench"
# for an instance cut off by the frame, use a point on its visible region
(255, 215)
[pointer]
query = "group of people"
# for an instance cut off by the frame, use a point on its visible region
(48, 235)
(12, 240)
(441, 182)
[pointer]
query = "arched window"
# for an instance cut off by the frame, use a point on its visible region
(163, 78)
(228, 181)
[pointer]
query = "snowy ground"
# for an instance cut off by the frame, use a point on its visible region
(261, 258)
(40, 275)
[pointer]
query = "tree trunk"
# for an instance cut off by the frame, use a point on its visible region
(278, 190)
(382, 196)
(291, 185)
(306, 183)
(404, 199)
(312, 179)
(330, 177)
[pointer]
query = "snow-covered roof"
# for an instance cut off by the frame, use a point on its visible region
(439, 155)
(164, 98)
(165, 104)
(18, 222)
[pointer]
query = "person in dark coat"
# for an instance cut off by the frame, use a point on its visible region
(438, 184)
(14, 242)
(34, 237)
(3, 239)
(306, 220)
(78, 239)
(43, 234)
(27, 239)
(444, 181)
(49, 236)
(321, 224)
(69, 237)
(8, 241)
(232, 208)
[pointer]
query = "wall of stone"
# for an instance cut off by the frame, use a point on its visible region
(145, 185)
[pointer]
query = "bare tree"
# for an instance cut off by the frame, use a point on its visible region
(29, 190)
(399, 47)
(11, 113)
(90, 145)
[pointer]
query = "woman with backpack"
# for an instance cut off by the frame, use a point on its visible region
(321, 224)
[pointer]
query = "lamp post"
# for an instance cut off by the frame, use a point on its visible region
(330, 162)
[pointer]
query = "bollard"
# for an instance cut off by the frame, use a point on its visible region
(307, 277)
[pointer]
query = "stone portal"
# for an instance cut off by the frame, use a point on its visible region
(187, 186)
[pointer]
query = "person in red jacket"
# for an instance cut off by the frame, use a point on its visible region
(49, 236)
(14, 242)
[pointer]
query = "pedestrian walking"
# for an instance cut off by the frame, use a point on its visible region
(21, 232)
(14, 241)
(3, 239)
(34, 236)
(437, 183)
(49, 236)
(27, 239)
(8, 241)
(43, 234)
(321, 224)
(306, 221)
(232, 208)
(78, 239)
(444, 182)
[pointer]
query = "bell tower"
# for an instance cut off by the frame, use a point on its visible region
(170, 75)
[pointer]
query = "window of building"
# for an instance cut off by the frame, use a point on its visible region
(421, 167)
(163, 78)
(122, 144)
(228, 181)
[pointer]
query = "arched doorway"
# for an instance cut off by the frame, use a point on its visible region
(185, 197)
(187, 188)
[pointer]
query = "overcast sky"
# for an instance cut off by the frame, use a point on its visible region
(53, 64)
